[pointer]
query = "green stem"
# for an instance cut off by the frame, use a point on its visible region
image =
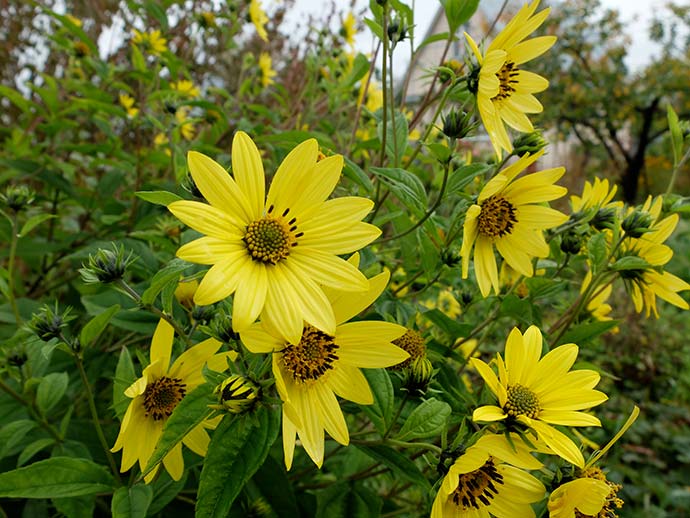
(392, 104)
(95, 419)
(10, 270)
(397, 415)
(372, 66)
(424, 445)
(429, 127)
(677, 167)
(384, 56)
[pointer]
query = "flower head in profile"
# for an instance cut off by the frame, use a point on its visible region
(509, 215)
(185, 87)
(275, 252)
(311, 371)
(258, 17)
(540, 393)
(597, 306)
(127, 102)
(266, 67)
(349, 29)
(503, 88)
(646, 284)
(596, 195)
(156, 394)
(589, 493)
(152, 41)
(489, 479)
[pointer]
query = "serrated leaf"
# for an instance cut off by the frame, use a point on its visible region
(238, 447)
(50, 390)
(164, 198)
(398, 462)
(381, 411)
(13, 434)
(131, 502)
(94, 327)
(426, 420)
(190, 412)
(57, 477)
(517, 308)
(124, 377)
(34, 221)
(450, 326)
(168, 274)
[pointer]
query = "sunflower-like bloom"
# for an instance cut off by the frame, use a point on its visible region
(274, 253)
(503, 89)
(596, 195)
(508, 215)
(309, 372)
(156, 394)
(185, 87)
(184, 123)
(597, 306)
(540, 393)
(258, 17)
(152, 41)
(349, 29)
(645, 285)
(489, 480)
(266, 67)
(127, 102)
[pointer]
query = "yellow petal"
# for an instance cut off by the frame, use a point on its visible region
(248, 170)
(189, 364)
(289, 433)
(211, 250)
(221, 280)
(316, 309)
(328, 269)
(207, 219)
(325, 177)
(485, 266)
(250, 296)
(349, 383)
(367, 344)
(530, 49)
(257, 340)
(332, 416)
(161, 344)
(283, 315)
(349, 304)
(587, 495)
(293, 174)
(488, 413)
(197, 440)
(174, 463)
(469, 235)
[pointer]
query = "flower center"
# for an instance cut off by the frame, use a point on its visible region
(413, 343)
(478, 487)
(613, 502)
(506, 78)
(270, 239)
(312, 357)
(162, 396)
(497, 217)
(521, 401)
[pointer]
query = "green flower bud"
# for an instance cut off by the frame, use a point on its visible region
(17, 197)
(222, 328)
(529, 143)
(455, 68)
(604, 218)
(637, 223)
(419, 375)
(571, 243)
(450, 257)
(106, 266)
(457, 124)
(397, 31)
(48, 323)
(237, 394)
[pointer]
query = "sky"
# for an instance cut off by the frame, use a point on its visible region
(635, 15)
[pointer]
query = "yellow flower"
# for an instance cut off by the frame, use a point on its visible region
(541, 393)
(156, 394)
(310, 371)
(76, 21)
(597, 305)
(208, 19)
(489, 480)
(590, 493)
(152, 41)
(184, 293)
(509, 215)
(644, 285)
(267, 72)
(185, 87)
(349, 29)
(127, 103)
(413, 344)
(258, 17)
(186, 126)
(161, 139)
(596, 195)
(274, 253)
(504, 90)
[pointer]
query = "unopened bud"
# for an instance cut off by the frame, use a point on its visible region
(458, 124)
(419, 375)
(48, 322)
(17, 197)
(571, 243)
(449, 70)
(106, 266)
(397, 31)
(605, 218)
(529, 143)
(237, 394)
(637, 223)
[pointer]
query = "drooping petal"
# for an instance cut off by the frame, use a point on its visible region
(197, 440)
(332, 416)
(488, 413)
(250, 296)
(348, 304)
(174, 463)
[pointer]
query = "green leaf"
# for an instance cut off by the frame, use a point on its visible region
(33, 221)
(398, 462)
(50, 390)
(458, 12)
(396, 137)
(596, 250)
(138, 60)
(131, 502)
(463, 176)
(433, 38)
(586, 332)
(676, 134)
(168, 274)
(190, 412)
(448, 325)
(429, 254)
(32, 449)
(124, 377)
(406, 186)
(76, 507)
(381, 411)
(13, 434)
(275, 487)
(238, 447)
(517, 308)
(57, 477)
(16, 98)
(164, 198)
(94, 327)
(630, 262)
(348, 501)
(375, 27)
(426, 420)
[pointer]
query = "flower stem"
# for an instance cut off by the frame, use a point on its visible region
(384, 57)
(674, 175)
(10, 271)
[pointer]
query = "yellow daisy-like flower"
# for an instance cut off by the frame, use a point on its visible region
(274, 253)
(186, 126)
(258, 17)
(161, 139)
(489, 480)
(156, 394)
(152, 41)
(596, 195)
(184, 293)
(509, 215)
(503, 89)
(646, 285)
(185, 87)
(310, 371)
(541, 393)
(591, 493)
(266, 67)
(597, 306)
(127, 103)
(349, 29)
